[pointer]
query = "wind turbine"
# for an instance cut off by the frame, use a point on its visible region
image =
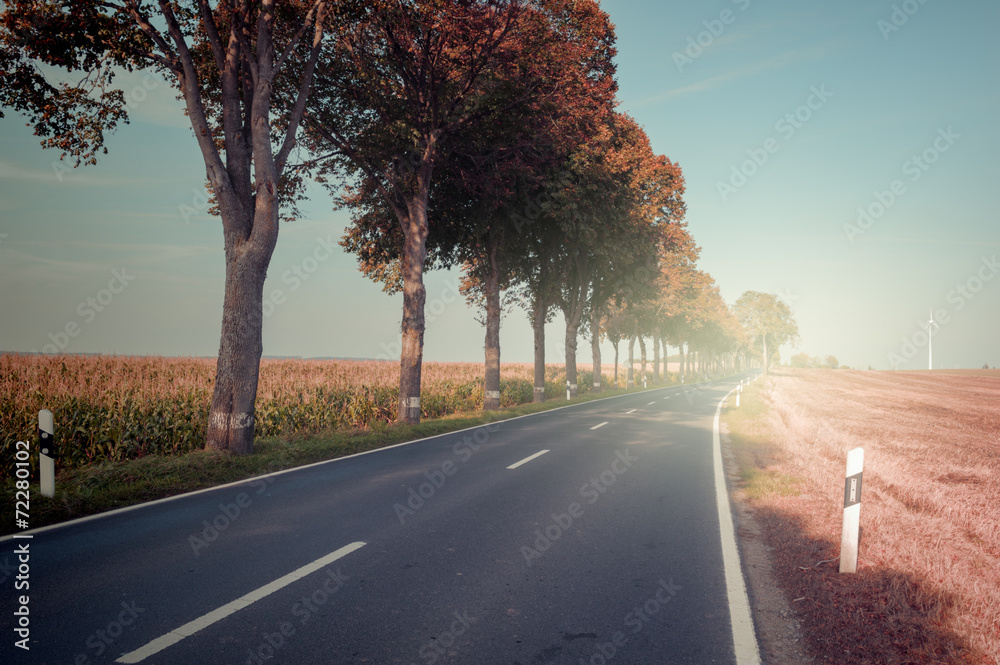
(930, 326)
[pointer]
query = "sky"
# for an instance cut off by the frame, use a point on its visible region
(840, 155)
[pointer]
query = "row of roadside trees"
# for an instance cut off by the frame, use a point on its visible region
(482, 134)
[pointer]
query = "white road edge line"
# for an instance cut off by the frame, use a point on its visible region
(601, 425)
(202, 622)
(632, 411)
(527, 459)
(744, 637)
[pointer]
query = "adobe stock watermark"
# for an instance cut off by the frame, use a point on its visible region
(199, 205)
(299, 273)
(786, 127)
(433, 308)
(637, 618)
(87, 310)
(228, 514)
(99, 641)
(914, 168)
(591, 492)
(438, 646)
(786, 296)
(463, 450)
(958, 298)
(302, 611)
(899, 17)
(714, 29)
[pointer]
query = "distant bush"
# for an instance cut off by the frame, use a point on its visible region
(804, 360)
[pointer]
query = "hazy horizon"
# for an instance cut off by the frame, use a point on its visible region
(836, 155)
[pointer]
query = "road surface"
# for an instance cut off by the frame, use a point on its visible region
(588, 534)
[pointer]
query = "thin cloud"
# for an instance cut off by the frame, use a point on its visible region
(144, 253)
(744, 71)
(20, 268)
(64, 174)
(931, 241)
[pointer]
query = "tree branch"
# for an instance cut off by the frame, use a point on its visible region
(217, 173)
(208, 20)
(320, 8)
(307, 76)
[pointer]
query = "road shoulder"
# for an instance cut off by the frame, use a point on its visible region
(779, 630)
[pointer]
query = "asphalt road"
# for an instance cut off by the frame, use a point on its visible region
(604, 549)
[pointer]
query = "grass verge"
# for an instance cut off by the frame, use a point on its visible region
(753, 448)
(110, 485)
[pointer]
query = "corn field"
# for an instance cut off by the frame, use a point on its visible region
(117, 408)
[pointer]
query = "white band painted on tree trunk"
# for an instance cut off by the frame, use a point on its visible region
(414, 402)
(493, 394)
(240, 420)
(572, 386)
(539, 390)
(232, 421)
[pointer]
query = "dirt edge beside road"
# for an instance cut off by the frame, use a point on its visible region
(779, 630)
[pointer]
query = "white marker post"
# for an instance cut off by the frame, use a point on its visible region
(852, 511)
(567, 392)
(46, 453)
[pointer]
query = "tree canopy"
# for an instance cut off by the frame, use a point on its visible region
(768, 321)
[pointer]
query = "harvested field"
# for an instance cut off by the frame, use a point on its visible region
(927, 588)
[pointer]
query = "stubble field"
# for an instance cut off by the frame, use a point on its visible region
(927, 588)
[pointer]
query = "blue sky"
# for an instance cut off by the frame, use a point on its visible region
(787, 118)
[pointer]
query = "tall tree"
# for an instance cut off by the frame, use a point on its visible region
(612, 238)
(244, 70)
(768, 320)
(409, 86)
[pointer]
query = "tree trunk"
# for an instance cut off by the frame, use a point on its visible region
(616, 362)
(656, 357)
(764, 363)
(683, 367)
(572, 332)
(595, 347)
(414, 298)
(629, 375)
(573, 313)
(491, 401)
(642, 356)
(538, 312)
(231, 415)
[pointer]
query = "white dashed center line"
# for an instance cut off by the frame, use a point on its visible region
(202, 622)
(527, 459)
(600, 426)
(632, 411)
